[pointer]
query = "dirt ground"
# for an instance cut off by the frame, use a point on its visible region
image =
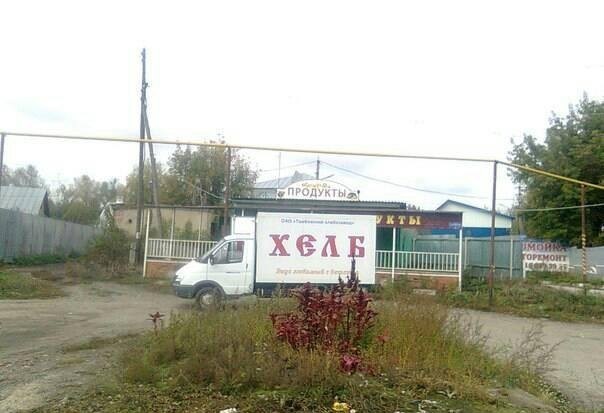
(35, 368)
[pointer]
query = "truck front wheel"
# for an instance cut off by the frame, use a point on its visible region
(208, 298)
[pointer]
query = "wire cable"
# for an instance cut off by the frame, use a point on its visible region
(558, 208)
(430, 191)
(287, 167)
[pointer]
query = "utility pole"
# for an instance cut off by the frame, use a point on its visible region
(154, 179)
(141, 170)
(317, 171)
(227, 191)
(146, 130)
(583, 242)
(491, 274)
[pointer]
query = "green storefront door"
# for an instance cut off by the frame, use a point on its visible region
(403, 242)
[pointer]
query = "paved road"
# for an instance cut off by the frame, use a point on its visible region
(578, 359)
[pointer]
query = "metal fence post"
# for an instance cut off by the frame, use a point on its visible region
(1, 158)
(511, 256)
(491, 274)
(459, 258)
(393, 250)
(172, 231)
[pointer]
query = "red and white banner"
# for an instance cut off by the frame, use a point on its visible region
(316, 248)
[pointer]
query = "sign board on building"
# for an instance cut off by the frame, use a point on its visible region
(420, 219)
(316, 248)
(317, 189)
(544, 256)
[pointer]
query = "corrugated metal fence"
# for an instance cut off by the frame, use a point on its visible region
(476, 253)
(595, 260)
(25, 234)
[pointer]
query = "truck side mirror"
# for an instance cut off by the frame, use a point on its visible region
(211, 259)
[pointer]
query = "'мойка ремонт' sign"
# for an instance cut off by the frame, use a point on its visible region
(545, 256)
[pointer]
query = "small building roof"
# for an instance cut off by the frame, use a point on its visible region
(315, 205)
(24, 199)
(283, 182)
(461, 204)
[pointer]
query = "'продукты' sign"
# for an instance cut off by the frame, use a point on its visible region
(544, 256)
(317, 189)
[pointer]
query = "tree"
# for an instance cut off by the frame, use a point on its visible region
(23, 176)
(130, 190)
(83, 200)
(573, 147)
(195, 177)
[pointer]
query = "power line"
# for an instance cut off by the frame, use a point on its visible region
(410, 187)
(202, 190)
(558, 208)
(287, 167)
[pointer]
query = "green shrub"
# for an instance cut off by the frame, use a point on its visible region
(110, 250)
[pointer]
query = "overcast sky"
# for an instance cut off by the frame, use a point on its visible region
(450, 78)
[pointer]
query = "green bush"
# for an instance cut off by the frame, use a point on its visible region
(110, 250)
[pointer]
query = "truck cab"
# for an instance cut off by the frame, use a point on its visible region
(224, 271)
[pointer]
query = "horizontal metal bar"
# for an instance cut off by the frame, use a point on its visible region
(303, 150)
(550, 174)
(251, 147)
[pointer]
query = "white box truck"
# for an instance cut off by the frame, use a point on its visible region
(280, 250)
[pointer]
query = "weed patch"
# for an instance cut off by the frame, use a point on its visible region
(530, 299)
(23, 286)
(564, 278)
(96, 343)
(421, 358)
(42, 259)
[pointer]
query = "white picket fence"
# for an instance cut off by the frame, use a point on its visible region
(444, 262)
(177, 249)
(385, 260)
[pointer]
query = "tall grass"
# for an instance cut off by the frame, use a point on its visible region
(420, 351)
(531, 299)
(23, 286)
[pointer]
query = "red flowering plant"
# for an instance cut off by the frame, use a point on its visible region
(337, 320)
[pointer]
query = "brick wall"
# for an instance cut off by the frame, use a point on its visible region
(432, 282)
(164, 269)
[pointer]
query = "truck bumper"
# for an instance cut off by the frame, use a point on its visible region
(183, 291)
